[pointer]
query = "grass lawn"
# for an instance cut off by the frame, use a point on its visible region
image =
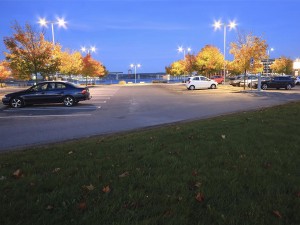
(241, 169)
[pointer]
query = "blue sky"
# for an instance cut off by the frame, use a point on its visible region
(149, 31)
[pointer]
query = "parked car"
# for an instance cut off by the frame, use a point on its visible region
(297, 80)
(48, 92)
(218, 79)
(235, 81)
(200, 82)
(278, 82)
(255, 82)
(248, 81)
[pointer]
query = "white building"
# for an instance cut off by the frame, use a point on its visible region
(296, 67)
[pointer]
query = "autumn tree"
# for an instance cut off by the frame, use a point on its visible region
(247, 47)
(176, 68)
(209, 60)
(71, 63)
(4, 71)
(29, 53)
(283, 65)
(92, 68)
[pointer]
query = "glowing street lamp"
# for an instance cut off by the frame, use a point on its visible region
(88, 50)
(217, 25)
(268, 66)
(184, 50)
(135, 66)
(60, 22)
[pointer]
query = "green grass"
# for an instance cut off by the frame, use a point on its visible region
(245, 167)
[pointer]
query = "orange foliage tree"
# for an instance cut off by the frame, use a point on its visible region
(29, 53)
(4, 71)
(92, 67)
(282, 65)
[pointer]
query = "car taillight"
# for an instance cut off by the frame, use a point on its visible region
(84, 92)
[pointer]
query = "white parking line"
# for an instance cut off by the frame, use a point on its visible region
(52, 108)
(31, 116)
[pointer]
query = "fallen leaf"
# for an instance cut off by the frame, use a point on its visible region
(195, 173)
(106, 189)
(223, 136)
(82, 206)
(125, 174)
(49, 207)
(277, 213)
(199, 197)
(197, 184)
(18, 173)
(70, 152)
(88, 187)
(56, 170)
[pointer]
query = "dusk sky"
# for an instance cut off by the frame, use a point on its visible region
(150, 31)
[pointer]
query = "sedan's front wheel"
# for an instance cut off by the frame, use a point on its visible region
(16, 103)
(288, 87)
(69, 101)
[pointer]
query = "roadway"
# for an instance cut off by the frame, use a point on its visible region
(116, 108)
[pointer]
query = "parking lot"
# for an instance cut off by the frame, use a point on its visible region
(117, 108)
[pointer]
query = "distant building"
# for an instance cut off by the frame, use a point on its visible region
(296, 67)
(266, 65)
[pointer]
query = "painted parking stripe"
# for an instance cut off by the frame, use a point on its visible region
(52, 108)
(41, 116)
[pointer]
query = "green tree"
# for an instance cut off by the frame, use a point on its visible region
(29, 53)
(247, 47)
(209, 60)
(283, 65)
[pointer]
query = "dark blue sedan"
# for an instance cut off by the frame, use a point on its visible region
(48, 92)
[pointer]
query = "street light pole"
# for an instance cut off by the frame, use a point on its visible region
(60, 21)
(272, 49)
(182, 49)
(135, 66)
(88, 50)
(217, 25)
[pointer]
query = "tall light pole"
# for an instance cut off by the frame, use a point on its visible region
(217, 25)
(184, 50)
(268, 66)
(135, 66)
(59, 21)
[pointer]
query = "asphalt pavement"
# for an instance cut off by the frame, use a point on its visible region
(117, 108)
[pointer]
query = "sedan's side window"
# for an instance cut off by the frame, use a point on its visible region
(41, 87)
(196, 78)
(51, 86)
(60, 86)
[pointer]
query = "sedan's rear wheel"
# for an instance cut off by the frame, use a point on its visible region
(16, 103)
(213, 86)
(192, 87)
(264, 87)
(69, 101)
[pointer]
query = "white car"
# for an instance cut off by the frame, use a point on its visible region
(200, 82)
(297, 80)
